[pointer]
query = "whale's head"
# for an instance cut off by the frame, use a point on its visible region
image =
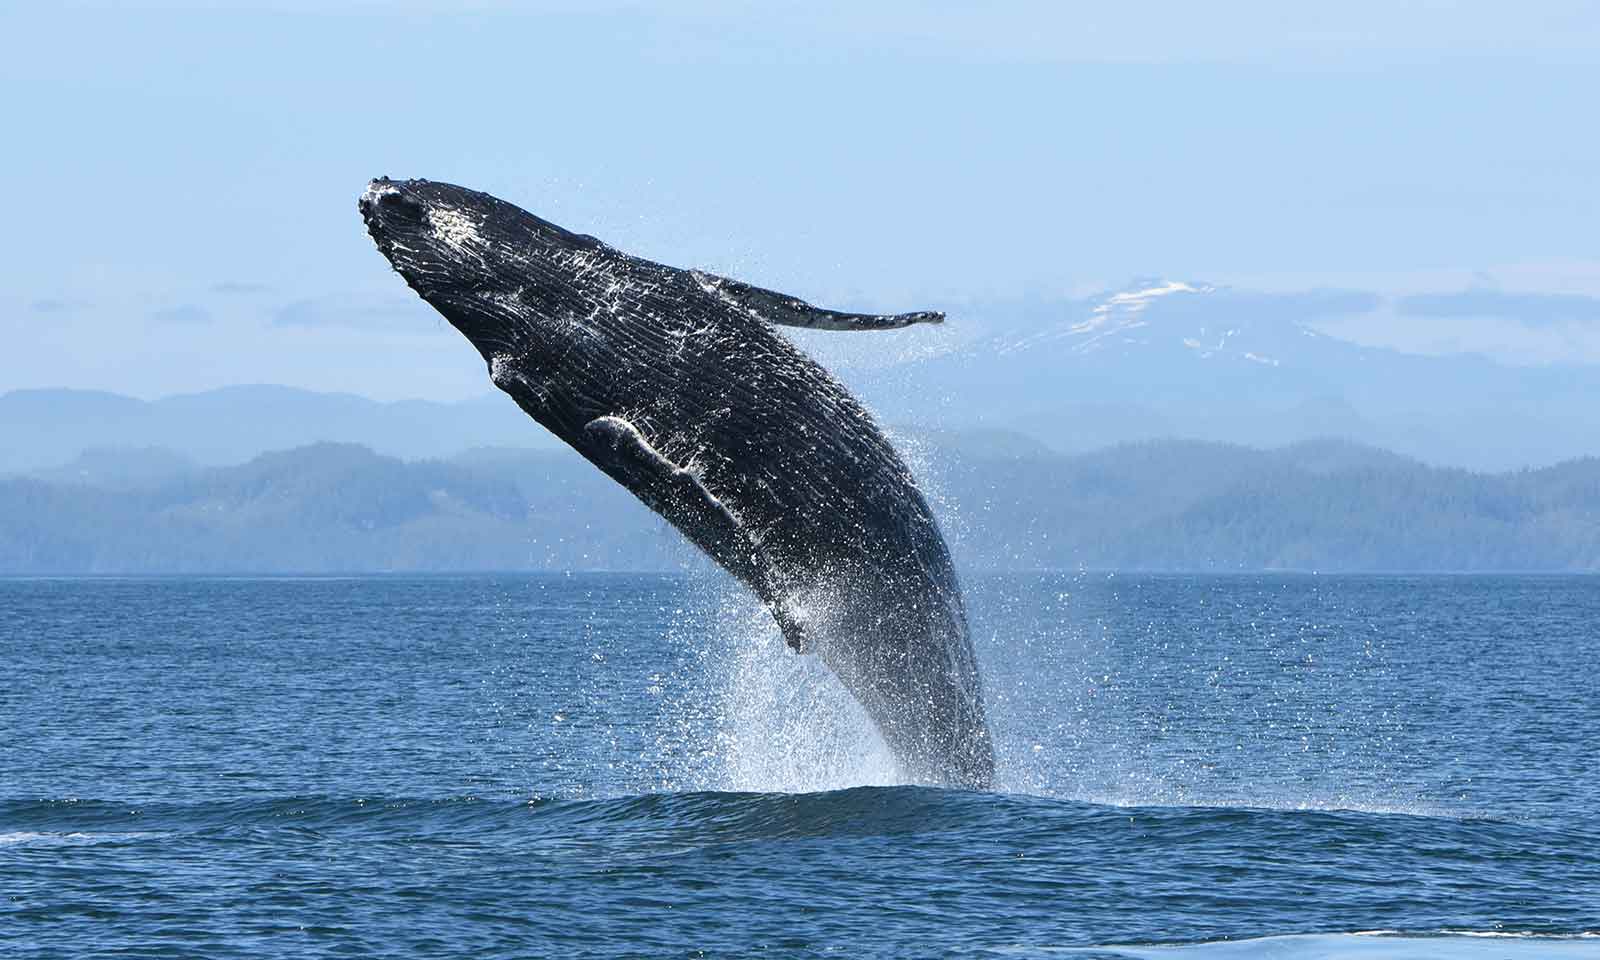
(480, 261)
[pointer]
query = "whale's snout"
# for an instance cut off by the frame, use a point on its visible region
(377, 190)
(415, 225)
(388, 206)
(432, 234)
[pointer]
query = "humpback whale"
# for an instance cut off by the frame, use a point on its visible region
(675, 384)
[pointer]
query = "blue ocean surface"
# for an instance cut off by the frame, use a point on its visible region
(631, 765)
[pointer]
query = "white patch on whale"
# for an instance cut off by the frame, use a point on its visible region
(454, 228)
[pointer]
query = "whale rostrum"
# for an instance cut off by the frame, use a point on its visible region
(674, 383)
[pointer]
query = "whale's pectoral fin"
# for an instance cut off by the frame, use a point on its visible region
(680, 496)
(665, 487)
(774, 307)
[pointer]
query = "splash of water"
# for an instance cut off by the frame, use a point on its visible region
(756, 716)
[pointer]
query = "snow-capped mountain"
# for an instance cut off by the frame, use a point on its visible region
(1200, 319)
(1165, 357)
(1110, 320)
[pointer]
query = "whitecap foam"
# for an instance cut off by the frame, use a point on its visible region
(1366, 945)
(72, 838)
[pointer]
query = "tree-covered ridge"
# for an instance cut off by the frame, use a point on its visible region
(1316, 506)
(1166, 505)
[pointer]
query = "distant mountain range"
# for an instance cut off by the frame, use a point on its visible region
(1166, 358)
(46, 428)
(1159, 359)
(1006, 504)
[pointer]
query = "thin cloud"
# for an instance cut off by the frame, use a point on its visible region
(1305, 306)
(360, 311)
(1528, 309)
(186, 313)
(55, 305)
(239, 288)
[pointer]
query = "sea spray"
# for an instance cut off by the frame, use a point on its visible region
(748, 713)
(755, 716)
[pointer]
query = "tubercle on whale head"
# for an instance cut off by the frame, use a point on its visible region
(389, 211)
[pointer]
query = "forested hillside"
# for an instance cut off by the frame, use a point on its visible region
(1006, 504)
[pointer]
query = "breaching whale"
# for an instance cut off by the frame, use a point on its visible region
(674, 384)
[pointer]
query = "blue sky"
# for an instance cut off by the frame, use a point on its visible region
(181, 177)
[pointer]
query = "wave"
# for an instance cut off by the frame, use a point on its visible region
(855, 811)
(1361, 945)
(718, 816)
(879, 868)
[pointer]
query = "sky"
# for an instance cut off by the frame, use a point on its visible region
(181, 178)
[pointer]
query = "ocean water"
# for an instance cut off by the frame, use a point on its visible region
(619, 765)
